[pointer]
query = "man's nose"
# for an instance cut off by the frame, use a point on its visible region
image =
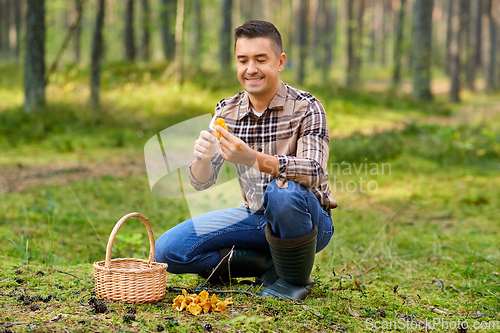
(252, 68)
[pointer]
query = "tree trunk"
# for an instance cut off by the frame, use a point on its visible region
(77, 37)
(196, 49)
(246, 7)
(226, 35)
(129, 31)
(356, 9)
(146, 25)
(329, 39)
(302, 40)
(257, 13)
(179, 31)
(385, 10)
(17, 24)
(97, 50)
(473, 44)
(373, 35)
(350, 42)
(491, 80)
(398, 45)
(34, 61)
(4, 29)
(319, 28)
(422, 43)
(479, 32)
(448, 36)
(168, 10)
(457, 45)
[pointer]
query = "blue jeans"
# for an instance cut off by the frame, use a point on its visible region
(193, 246)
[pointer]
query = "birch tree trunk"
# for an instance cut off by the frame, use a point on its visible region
(34, 60)
(96, 57)
(422, 47)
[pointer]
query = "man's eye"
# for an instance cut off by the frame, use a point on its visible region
(261, 61)
(243, 61)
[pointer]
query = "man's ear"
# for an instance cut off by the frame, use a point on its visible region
(282, 60)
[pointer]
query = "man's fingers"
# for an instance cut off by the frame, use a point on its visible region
(207, 136)
(222, 131)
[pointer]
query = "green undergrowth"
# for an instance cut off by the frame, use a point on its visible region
(138, 101)
(416, 231)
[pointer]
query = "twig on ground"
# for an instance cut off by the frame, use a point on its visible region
(441, 284)
(230, 253)
(252, 297)
(411, 302)
(371, 268)
(435, 310)
(219, 291)
(475, 315)
(7, 279)
(58, 271)
(339, 328)
(456, 289)
(441, 217)
(12, 324)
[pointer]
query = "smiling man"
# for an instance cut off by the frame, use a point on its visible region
(278, 138)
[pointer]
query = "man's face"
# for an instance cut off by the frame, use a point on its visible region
(258, 66)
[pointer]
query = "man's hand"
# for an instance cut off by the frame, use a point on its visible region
(205, 146)
(234, 149)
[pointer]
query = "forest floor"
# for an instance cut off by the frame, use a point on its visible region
(415, 249)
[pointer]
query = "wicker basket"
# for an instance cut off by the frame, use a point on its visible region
(130, 280)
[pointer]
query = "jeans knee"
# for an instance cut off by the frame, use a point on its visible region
(166, 251)
(281, 201)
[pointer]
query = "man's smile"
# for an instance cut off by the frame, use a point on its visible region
(254, 79)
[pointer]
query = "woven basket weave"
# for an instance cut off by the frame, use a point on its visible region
(130, 280)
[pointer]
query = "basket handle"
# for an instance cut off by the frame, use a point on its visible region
(144, 220)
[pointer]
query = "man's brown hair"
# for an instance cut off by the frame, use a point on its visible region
(257, 28)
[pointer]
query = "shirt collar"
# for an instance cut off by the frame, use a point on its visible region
(277, 103)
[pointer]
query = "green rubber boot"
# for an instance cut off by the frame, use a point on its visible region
(246, 263)
(293, 260)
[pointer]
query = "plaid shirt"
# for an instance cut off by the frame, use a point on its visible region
(293, 128)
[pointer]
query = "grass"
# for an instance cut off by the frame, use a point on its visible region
(416, 232)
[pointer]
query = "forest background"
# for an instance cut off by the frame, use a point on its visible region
(411, 92)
